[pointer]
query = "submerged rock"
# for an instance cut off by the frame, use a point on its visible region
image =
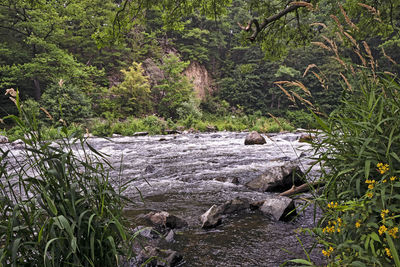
(254, 138)
(306, 138)
(158, 257)
(277, 179)
(279, 208)
(165, 220)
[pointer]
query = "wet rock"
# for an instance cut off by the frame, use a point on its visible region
(162, 139)
(165, 220)
(160, 257)
(234, 205)
(3, 139)
(149, 169)
(146, 232)
(170, 236)
(279, 208)
(18, 144)
(254, 138)
(172, 132)
(277, 179)
(211, 217)
(211, 128)
(216, 136)
(140, 134)
(306, 138)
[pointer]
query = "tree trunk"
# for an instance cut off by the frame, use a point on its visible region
(37, 93)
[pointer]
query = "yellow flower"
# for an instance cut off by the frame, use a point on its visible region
(393, 232)
(388, 253)
(371, 186)
(332, 205)
(382, 168)
(328, 252)
(393, 178)
(384, 181)
(369, 194)
(382, 229)
(358, 224)
(384, 212)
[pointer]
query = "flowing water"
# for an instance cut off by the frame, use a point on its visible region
(186, 174)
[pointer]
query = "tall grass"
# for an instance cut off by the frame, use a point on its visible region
(58, 207)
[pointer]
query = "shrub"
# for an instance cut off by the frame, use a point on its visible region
(58, 208)
(66, 102)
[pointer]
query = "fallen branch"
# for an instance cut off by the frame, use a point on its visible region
(301, 188)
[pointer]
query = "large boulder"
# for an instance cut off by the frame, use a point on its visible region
(279, 208)
(163, 219)
(254, 138)
(3, 139)
(277, 179)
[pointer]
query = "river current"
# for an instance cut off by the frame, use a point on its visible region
(185, 174)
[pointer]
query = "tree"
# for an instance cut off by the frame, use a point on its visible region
(174, 90)
(132, 96)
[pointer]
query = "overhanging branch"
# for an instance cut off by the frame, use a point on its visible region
(259, 27)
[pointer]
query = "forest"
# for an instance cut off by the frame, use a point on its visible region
(76, 67)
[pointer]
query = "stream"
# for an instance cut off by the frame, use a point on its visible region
(186, 174)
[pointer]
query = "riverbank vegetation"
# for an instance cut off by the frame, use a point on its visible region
(105, 68)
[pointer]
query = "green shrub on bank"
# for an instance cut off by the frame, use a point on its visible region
(58, 208)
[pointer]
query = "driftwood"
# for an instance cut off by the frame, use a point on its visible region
(301, 188)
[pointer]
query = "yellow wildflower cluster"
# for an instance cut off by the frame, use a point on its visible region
(393, 178)
(370, 183)
(393, 232)
(358, 224)
(327, 252)
(388, 253)
(384, 213)
(382, 168)
(332, 205)
(333, 226)
(382, 230)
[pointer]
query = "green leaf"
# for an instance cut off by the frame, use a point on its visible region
(302, 261)
(393, 250)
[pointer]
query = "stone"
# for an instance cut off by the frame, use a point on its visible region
(254, 138)
(149, 169)
(165, 220)
(211, 217)
(277, 179)
(170, 236)
(279, 208)
(18, 144)
(3, 139)
(306, 138)
(234, 205)
(160, 257)
(140, 134)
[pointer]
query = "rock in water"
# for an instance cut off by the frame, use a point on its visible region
(211, 217)
(277, 179)
(254, 138)
(165, 220)
(279, 208)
